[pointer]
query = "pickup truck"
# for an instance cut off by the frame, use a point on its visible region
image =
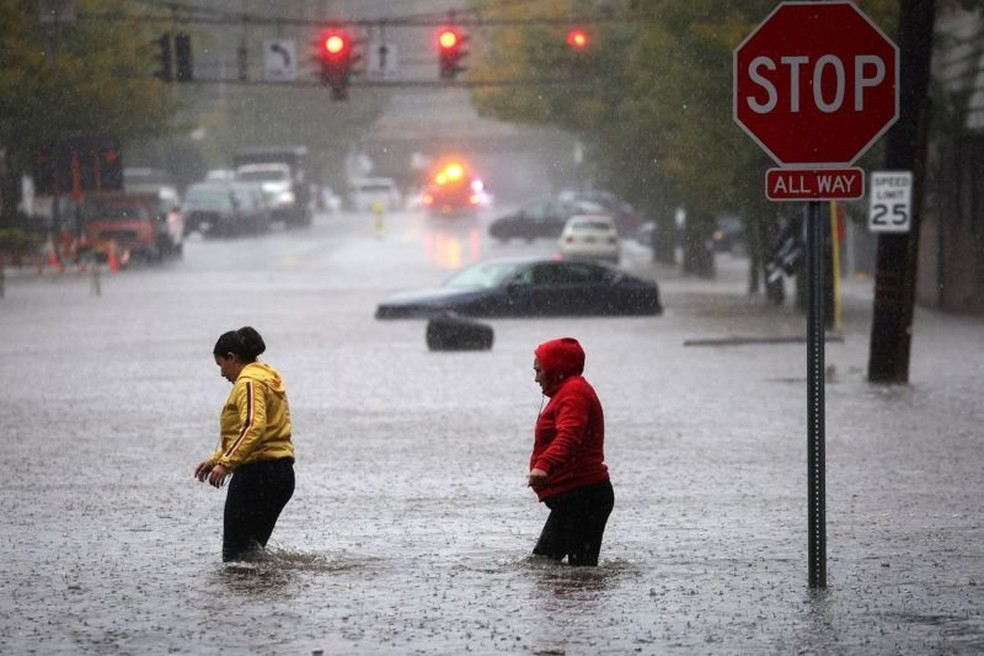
(144, 226)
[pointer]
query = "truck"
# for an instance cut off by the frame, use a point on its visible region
(131, 225)
(282, 170)
(453, 190)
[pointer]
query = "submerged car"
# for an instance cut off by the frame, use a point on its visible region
(530, 287)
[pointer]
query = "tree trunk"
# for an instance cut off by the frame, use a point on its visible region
(895, 268)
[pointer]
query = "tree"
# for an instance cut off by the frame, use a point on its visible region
(90, 77)
(654, 101)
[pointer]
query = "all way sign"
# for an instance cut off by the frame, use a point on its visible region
(814, 184)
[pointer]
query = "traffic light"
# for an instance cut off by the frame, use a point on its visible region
(163, 56)
(577, 39)
(45, 171)
(335, 53)
(110, 164)
(182, 57)
(451, 50)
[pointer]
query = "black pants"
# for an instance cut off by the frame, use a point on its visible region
(576, 524)
(257, 493)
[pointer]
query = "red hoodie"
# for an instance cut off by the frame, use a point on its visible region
(569, 440)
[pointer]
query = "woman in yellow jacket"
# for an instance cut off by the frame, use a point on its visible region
(255, 445)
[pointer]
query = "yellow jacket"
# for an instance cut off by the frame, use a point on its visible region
(255, 420)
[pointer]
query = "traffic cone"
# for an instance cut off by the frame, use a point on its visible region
(53, 255)
(112, 259)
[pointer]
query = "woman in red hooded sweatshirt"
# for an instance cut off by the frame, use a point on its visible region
(567, 468)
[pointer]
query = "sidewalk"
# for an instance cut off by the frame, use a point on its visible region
(725, 296)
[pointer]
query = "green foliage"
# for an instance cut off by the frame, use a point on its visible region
(86, 78)
(654, 101)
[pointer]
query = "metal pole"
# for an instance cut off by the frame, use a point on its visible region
(816, 469)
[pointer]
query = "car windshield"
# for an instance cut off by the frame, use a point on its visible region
(115, 212)
(592, 226)
(208, 199)
(263, 176)
(485, 275)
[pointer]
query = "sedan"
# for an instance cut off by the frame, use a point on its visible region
(542, 218)
(530, 287)
(590, 237)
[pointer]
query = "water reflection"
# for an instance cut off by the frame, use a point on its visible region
(452, 248)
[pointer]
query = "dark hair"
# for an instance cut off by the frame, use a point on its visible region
(245, 343)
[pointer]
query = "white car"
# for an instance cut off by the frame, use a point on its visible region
(590, 236)
(374, 194)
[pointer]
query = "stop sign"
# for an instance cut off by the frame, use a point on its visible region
(816, 83)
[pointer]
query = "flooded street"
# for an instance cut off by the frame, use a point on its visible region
(410, 525)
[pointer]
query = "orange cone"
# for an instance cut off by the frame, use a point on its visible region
(114, 262)
(52, 254)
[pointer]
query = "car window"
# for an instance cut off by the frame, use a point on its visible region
(246, 198)
(571, 272)
(485, 275)
(587, 272)
(594, 225)
(554, 273)
(115, 212)
(208, 199)
(532, 211)
(271, 175)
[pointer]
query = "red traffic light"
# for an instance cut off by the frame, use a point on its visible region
(448, 39)
(577, 39)
(335, 50)
(334, 44)
(451, 46)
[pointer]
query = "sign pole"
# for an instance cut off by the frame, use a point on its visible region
(816, 457)
(815, 85)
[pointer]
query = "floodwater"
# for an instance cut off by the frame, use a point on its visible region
(410, 526)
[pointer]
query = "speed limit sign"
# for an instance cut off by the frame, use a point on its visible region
(890, 206)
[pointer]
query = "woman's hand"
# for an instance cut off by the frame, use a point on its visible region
(203, 469)
(216, 477)
(537, 479)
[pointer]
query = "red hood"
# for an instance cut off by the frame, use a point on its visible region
(560, 358)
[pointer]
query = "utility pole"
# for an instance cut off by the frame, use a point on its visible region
(895, 266)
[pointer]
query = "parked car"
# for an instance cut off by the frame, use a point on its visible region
(530, 287)
(544, 218)
(222, 208)
(590, 236)
(370, 194)
(133, 225)
(627, 219)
